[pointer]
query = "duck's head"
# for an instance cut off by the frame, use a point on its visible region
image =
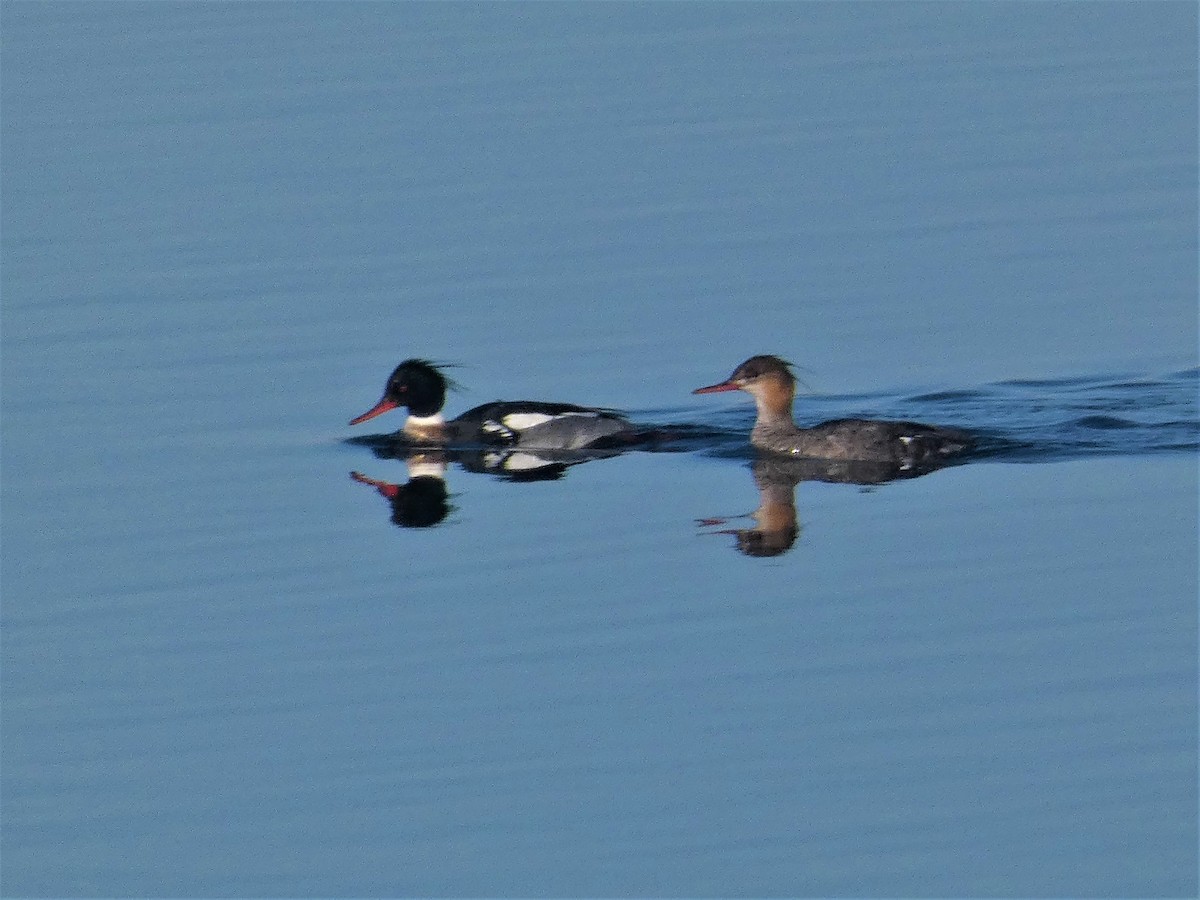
(416, 384)
(768, 379)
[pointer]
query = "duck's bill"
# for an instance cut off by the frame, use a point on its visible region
(716, 388)
(386, 488)
(379, 409)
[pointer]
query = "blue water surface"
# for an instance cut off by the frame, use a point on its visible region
(228, 669)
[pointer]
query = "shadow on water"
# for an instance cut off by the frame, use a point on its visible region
(1020, 421)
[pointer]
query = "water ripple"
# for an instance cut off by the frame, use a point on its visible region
(1027, 420)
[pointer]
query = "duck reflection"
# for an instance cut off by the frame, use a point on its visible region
(421, 502)
(424, 499)
(776, 526)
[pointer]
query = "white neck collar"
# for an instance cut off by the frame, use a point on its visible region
(425, 421)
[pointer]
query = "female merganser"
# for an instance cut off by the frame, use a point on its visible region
(421, 387)
(771, 383)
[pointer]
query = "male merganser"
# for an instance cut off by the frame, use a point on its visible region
(421, 387)
(771, 383)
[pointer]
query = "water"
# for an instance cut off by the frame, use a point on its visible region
(226, 670)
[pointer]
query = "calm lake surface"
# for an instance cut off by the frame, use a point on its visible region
(230, 669)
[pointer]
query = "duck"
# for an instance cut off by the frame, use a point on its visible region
(419, 386)
(769, 380)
